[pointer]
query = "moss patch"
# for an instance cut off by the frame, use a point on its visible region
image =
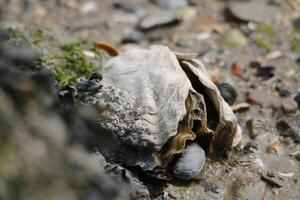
(68, 64)
(66, 59)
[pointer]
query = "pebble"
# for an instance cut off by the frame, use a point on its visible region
(190, 163)
(234, 38)
(158, 18)
(134, 36)
(227, 92)
(289, 105)
(253, 11)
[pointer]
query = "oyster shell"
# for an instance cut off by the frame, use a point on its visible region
(154, 100)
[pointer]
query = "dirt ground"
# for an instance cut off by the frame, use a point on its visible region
(257, 51)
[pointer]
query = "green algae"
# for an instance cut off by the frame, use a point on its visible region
(66, 59)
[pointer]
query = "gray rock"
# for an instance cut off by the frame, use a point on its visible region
(254, 11)
(289, 105)
(133, 37)
(159, 17)
(190, 163)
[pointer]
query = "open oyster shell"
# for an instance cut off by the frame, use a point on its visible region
(153, 101)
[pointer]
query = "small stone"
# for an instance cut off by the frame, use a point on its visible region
(250, 147)
(158, 18)
(133, 37)
(190, 163)
(254, 11)
(234, 38)
(274, 148)
(227, 92)
(289, 105)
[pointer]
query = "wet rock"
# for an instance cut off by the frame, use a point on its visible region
(297, 98)
(289, 105)
(158, 18)
(254, 11)
(227, 92)
(248, 186)
(172, 3)
(134, 36)
(250, 147)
